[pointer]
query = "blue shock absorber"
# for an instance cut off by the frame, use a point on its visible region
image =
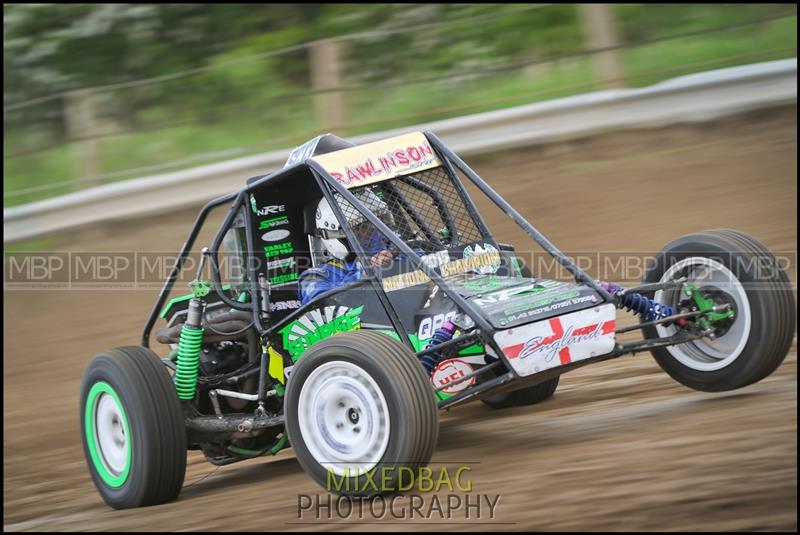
(640, 305)
(442, 334)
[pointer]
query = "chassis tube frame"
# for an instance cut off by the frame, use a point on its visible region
(179, 261)
(375, 281)
(538, 237)
(503, 383)
(487, 330)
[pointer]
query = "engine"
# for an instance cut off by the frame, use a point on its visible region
(222, 357)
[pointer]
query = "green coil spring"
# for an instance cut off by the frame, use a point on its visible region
(188, 361)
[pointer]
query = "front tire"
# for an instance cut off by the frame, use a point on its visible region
(744, 272)
(132, 427)
(360, 403)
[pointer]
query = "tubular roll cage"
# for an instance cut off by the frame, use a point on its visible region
(484, 331)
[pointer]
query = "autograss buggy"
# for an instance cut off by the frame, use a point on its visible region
(352, 380)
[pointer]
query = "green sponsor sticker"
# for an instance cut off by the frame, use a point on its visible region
(281, 279)
(274, 222)
(278, 249)
(541, 302)
(486, 284)
(312, 327)
(284, 263)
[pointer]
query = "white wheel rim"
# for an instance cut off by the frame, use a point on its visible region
(343, 418)
(110, 432)
(708, 355)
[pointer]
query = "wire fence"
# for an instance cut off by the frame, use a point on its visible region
(274, 53)
(151, 121)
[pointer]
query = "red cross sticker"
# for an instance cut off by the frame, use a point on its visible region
(557, 336)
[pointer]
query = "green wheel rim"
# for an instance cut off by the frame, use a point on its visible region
(112, 478)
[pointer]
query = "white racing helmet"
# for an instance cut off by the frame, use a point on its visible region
(330, 232)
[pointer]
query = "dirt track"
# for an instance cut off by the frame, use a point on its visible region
(621, 446)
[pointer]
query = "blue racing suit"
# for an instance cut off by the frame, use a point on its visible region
(328, 276)
(335, 273)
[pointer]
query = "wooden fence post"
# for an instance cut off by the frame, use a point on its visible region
(600, 31)
(326, 73)
(81, 126)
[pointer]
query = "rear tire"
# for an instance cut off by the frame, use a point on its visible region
(524, 396)
(132, 428)
(761, 334)
(361, 401)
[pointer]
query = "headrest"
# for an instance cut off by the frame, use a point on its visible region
(314, 147)
(330, 143)
(310, 217)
